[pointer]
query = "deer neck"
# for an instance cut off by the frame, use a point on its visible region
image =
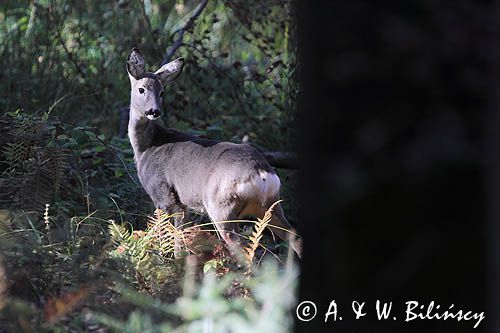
(141, 132)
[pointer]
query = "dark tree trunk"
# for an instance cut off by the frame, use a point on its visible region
(492, 172)
(392, 129)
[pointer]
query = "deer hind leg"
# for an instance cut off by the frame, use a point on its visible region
(220, 213)
(279, 223)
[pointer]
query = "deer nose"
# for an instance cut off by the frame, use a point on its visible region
(153, 112)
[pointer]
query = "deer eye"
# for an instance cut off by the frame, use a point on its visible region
(161, 94)
(141, 90)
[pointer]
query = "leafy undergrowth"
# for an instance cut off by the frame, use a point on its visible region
(89, 263)
(134, 281)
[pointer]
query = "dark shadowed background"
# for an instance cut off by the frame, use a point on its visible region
(400, 149)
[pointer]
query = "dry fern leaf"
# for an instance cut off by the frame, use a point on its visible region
(164, 233)
(256, 236)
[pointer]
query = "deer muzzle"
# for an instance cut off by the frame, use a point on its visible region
(153, 113)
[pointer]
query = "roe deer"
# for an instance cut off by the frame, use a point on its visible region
(180, 171)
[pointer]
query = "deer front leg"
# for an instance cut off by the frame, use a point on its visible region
(176, 214)
(170, 205)
(179, 252)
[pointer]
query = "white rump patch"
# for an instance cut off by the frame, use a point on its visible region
(263, 186)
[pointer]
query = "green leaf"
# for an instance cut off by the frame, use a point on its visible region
(97, 161)
(119, 173)
(210, 266)
(100, 149)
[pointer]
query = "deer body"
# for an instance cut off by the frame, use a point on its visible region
(179, 171)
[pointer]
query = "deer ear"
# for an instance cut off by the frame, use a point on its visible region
(171, 71)
(135, 64)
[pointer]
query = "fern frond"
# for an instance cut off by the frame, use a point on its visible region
(147, 252)
(118, 233)
(162, 231)
(55, 166)
(31, 171)
(256, 236)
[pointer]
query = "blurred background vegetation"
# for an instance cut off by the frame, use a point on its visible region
(66, 166)
(66, 59)
(68, 56)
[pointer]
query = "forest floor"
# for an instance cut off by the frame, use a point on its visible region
(79, 251)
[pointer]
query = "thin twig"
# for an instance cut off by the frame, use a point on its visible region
(70, 55)
(231, 79)
(120, 157)
(180, 32)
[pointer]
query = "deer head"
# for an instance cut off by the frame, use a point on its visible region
(146, 95)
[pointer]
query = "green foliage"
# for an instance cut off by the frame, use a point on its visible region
(140, 286)
(238, 80)
(44, 161)
(148, 261)
(65, 59)
(210, 309)
(63, 80)
(34, 166)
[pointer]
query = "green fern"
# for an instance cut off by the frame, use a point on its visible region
(150, 259)
(32, 171)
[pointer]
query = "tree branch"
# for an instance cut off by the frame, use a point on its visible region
(149, 27)
(70, 55)
(277, 159)
(284, 160)
(180, 32)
